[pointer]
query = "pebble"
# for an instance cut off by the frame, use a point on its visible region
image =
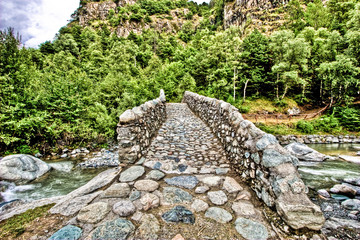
(124, 208)
(149, 200)
(146, 185)
(202, 189)
(324, 193)
(179, 214)
(155, 175)
(199, 205)
(218, 214)
(212, 181)
(134, 195)
(217, 197)
(231, 185)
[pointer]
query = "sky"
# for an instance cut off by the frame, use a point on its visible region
(38, 21)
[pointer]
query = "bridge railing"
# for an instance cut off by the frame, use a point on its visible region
(138, 126)
(260, 160)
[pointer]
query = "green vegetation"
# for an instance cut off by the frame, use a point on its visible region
(72, 90)
(15, 226)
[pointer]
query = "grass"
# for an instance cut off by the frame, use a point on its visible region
(264, 105)
(16, 225)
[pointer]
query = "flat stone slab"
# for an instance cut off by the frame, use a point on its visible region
(73, 206)
(155, 175)
(149, 227)
(132, 174)
(213, 181)
(68, 232)
(199, 205)
(249, 229)
(218, 214)
(124, 208)
(117, 190)
(146, 185)
(149, 200)
(231, 185)
(188, 182)
(243, 208)
(172, 195)
(116, 229)
(179, 214)
(217, 197)
(93, 213)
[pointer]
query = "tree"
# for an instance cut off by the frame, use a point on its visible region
(316, 15)
(339, 75)
(255, 59)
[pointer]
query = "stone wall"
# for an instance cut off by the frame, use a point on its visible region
(286, 139)
(260, 160)
(138, 126)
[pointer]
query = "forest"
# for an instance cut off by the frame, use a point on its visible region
(71, 91)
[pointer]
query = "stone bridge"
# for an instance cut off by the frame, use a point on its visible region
(193, 170)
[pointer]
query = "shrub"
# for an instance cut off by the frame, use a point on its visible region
(349, 118)
(305, 127)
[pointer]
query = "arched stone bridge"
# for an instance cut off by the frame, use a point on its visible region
(194, 170)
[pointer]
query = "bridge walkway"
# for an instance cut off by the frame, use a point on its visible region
(182, 189)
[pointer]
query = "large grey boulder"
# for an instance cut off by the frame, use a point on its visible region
(22, 168)
(305, 153)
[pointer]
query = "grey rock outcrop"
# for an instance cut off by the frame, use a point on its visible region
(305, 153)
(22, 168)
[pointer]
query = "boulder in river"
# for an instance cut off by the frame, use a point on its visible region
(343, 189)
(22, 168)
(305, 153)
(353, 159)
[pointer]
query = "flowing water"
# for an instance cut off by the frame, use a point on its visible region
(326, 174)
(63, 179)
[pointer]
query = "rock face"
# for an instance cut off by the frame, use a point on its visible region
(100, 11)
(22, 168)
(238, 12)
(258, 158)
(305, 153)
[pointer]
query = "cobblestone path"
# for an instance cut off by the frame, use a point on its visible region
(183, 189)
(186, 145)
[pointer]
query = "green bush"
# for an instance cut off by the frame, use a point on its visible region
(349, 118)
(329, 124)
(305, 127)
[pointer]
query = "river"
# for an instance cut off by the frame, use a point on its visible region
(325, 174)
(63, 179)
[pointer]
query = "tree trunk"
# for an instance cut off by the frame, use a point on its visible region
(246, 83)
(234, 84)
(277, 86)
(285, 91)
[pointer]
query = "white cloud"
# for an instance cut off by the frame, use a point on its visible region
(36, 20)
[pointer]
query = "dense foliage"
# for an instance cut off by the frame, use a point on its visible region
(73, 89)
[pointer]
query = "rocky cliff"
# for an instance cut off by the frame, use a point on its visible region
(261, 14)
(123, 20)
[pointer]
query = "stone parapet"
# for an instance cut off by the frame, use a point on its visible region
(138, 126)
(260, 160)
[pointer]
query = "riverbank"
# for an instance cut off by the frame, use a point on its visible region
(308, 139)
